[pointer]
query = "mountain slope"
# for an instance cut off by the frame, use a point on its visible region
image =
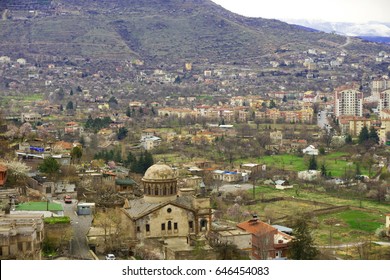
(157, 31)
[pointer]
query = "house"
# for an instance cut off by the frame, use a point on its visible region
(150, 142)
(310, 150)
(267, 241)
(309, 175)
(21, 236)
(3, 175)
(31, 117)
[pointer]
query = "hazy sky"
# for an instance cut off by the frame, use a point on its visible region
(328, 10)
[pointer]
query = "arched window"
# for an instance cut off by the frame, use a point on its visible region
(171, 190)
(165, 191)
(169, 225)
(155, 191)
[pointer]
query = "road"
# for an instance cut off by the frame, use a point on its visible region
(78, 248)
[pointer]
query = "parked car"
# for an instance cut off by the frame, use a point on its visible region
(68, 199)
(110, 257)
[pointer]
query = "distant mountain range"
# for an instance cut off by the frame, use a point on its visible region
(371, 31)
(159, 32)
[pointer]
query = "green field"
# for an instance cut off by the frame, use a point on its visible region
(337, 163)
(347, 227)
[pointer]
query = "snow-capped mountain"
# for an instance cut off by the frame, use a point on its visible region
(370, 29)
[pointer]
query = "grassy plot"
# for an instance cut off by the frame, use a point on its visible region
(337, 163)
(347, 227)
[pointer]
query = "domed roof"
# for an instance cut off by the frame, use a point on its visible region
(159, 172)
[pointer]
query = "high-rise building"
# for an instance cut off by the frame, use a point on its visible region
(348, 102)
(384, 100)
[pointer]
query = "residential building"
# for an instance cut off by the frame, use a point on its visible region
(310, 150)
(348, 102)
(267, 241)
(21, 236)
(384, 100)
(353, 125)
(150, 142)
(31, 117)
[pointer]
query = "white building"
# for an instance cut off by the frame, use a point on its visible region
(150, 142)
(348, 103)
(310, 150)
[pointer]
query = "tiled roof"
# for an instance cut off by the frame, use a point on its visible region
(256, 226)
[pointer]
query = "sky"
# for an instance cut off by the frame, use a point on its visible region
(355, 11)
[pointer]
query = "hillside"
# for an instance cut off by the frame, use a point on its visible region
(157, 31)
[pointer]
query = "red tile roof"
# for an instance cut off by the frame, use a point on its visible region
(256, 226)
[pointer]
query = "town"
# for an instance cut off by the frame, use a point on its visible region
(194, 159)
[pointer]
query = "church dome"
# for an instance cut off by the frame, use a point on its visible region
(159, 172)
(160, 184)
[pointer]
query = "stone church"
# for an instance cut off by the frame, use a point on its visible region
(166, 212)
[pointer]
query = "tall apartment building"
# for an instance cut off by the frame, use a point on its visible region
(384, 100)
(348, 102)
(379, 85)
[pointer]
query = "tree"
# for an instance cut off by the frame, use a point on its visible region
(272, 104)
(76, 153)
(373, 135)
(363, 135)
(69, 106)
(323, 170)
(113, 100)
(122, 133)
(228, 251)
(348, 139)
(313, 163)
(49, 166)
(302, 246)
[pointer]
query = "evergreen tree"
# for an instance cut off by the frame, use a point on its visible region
(272, 104)
(302, 246)
(363, 135)
(358, 172)
(148, 161)
(69, 106)
(128, 112)
(373, 135)
(122, 133)
(348, 139)
(129, 159)
(323, 170)
(313, 163)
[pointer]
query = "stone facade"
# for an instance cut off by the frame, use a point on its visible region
(164, 212)
(21, 236)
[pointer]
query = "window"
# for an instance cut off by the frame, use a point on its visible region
(169, 225)
(147, 228)
(191, 225)
(175, 226)
(163, 226)
(169, 210)
(138, 229)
